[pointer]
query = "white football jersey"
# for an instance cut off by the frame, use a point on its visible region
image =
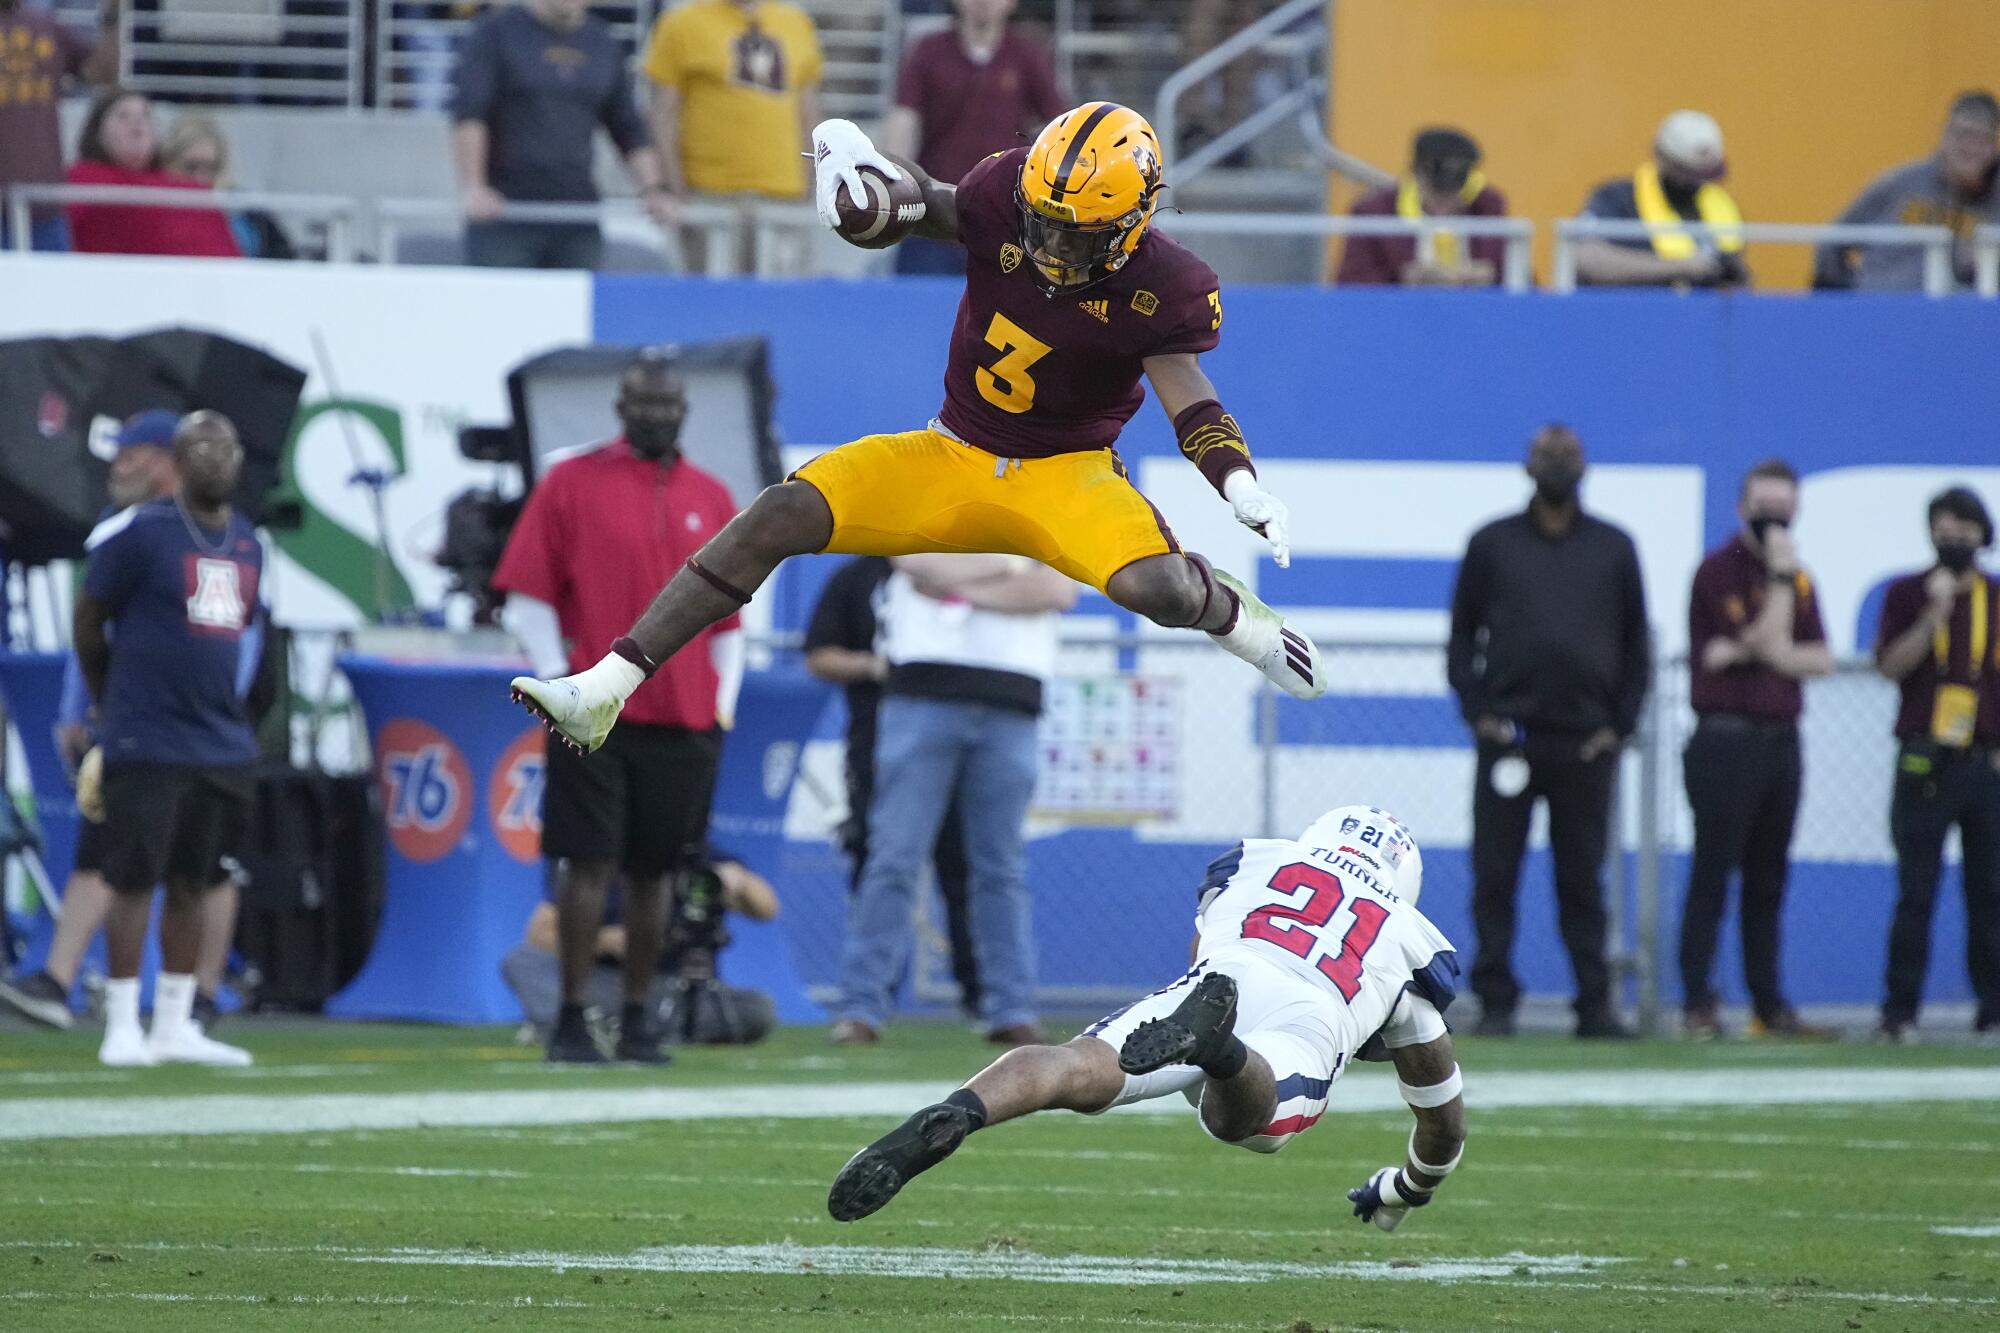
(1327, 916)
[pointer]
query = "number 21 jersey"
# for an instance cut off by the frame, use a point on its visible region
(1032, 375)
(1326, 916)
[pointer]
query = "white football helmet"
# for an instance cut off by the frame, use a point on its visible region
(1376, 838)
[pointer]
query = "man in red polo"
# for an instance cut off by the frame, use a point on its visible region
(1754, 635)
(978, 88)
(600, 534)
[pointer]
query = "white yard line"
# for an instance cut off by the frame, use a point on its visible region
(279, 1113)
(1987, 1231)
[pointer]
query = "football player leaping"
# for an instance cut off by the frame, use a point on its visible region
(1308, 954)
(1071, 295)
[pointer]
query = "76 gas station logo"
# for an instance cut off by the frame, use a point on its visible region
(426, 789)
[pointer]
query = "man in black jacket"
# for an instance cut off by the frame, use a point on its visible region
(1549, 658)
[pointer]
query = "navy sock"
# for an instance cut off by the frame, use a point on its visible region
(968, 1101)
(569, 1018)
(1229, 1061)
(632, 1021)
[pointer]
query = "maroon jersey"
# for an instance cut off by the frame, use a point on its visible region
(1032, 375)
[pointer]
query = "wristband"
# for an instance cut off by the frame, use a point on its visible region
(1409, 1193)
(1211, 440)
(1435, 1094)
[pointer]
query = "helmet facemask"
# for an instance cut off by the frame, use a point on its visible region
(1069, 256)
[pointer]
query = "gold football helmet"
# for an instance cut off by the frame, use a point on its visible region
(1087, 193)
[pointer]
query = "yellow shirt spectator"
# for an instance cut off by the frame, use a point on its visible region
(738, 72)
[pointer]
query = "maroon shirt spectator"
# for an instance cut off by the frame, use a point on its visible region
(971, 91)
(120, 147)
(1729, 591)
(36, 54)
(1442, 183)
(1902, 603)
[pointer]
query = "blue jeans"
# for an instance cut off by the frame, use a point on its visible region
(926, 750)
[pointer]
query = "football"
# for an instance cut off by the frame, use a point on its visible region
(893, 211)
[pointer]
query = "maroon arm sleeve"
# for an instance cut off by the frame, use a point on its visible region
(1900, 605)
(1806, 626)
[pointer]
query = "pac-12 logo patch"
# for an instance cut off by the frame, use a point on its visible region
(1145, 302)
(514, 795)
(426, 789)
(1010, 257)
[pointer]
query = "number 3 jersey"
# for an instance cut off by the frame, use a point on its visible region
(1032, 375)
(1326, 917)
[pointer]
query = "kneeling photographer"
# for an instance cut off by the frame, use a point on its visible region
(689, 1003)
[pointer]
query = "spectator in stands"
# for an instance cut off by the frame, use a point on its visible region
(168, 599)
(971, 642)
(1225, 101)
(1443, 182)
(142, 470)
(1958, 187)
(1679, 184)
(1937, 642)
(962, 95)
(534, 82)
(534, 973)
(37, 55)
(842, 649)
(1754, 634)
(735, 96)
(601, 532)
(119, 146)
(195, 147)
(1549, 657)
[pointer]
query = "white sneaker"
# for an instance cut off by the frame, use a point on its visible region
(125, 1048)
(581, 722)
(1261, 637)
(189, 1045)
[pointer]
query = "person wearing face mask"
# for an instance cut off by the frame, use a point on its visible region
(1937, 643)
(1679, 183)
(1550, 655)
(600, 532)
(1754, 634)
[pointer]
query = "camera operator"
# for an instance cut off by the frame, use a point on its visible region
(688, 1002)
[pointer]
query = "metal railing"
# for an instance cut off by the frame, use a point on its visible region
(773, 227)
(1935, 241)
(1986, 261)
(338, 214)
(280, 52)
(1518, 234)
(1272, 34)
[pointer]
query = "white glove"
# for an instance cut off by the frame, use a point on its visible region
(1261, 512)
(840, 150)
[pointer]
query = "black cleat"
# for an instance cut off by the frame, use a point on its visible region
(640, 1047)
(40, 997)
(1194, 1032)
(573, 1046)
(878, 1172)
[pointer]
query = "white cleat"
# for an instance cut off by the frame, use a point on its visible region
(126, 1048)
(1287, 658)
(189, 1045)
(579, 721)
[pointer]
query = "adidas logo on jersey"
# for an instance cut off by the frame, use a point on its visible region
(1097, 310)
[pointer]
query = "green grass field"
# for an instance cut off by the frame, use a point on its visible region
(1861, 1208)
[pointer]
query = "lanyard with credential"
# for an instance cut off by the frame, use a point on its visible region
(1941, 641)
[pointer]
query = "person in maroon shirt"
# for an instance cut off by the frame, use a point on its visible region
(119, 146)
(598, 534)
(1754, 633)
(36, 55)
(978, 88)
(1937, 642)
(1443, 182)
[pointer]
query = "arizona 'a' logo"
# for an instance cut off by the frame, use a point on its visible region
(1097, 310)
(1010, 257)
(217, 600)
